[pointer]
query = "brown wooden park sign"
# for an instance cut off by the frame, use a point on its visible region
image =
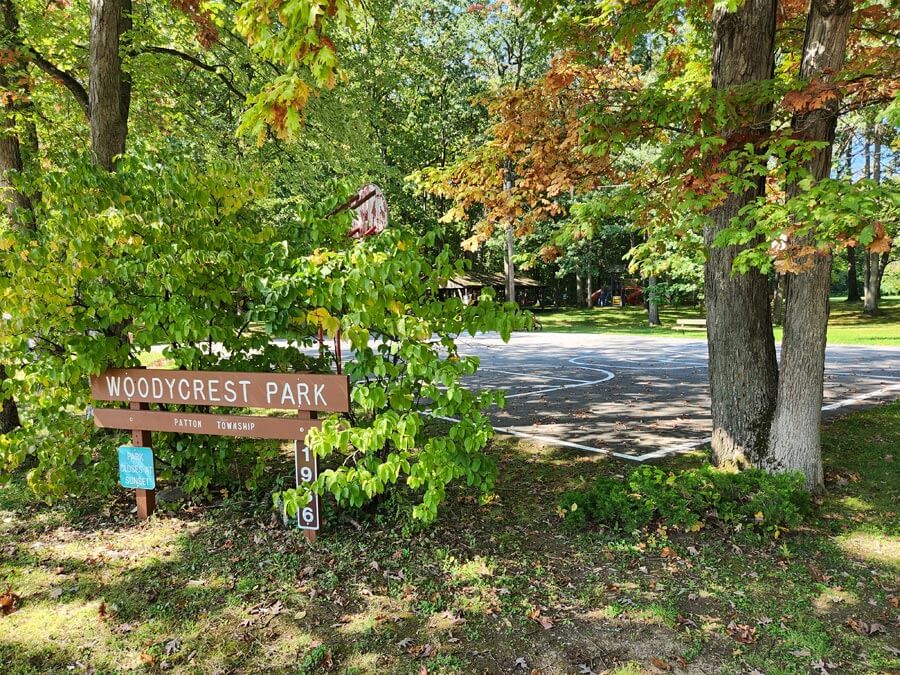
(305, 393)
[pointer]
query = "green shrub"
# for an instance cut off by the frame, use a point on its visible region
(185, 254)
(688, 500)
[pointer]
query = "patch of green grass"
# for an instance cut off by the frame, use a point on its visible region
(223, 587)
(847, 324)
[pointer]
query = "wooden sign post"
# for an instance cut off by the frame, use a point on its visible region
(306, 470)
(306, 393)
(141, 438)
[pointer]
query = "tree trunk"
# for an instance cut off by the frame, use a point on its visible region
(778, 301)
(15, 203)
(870, 283)
(742, 367)
(652, 306)
(589, 290)
(853, 294)
(874, 271)
(9, 412)
(885, 259)
(579, 288)
(508, 180)
(852, 278)
(794, 439)
(110, 88)
(510, 265)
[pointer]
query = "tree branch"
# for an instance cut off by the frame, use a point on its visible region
(215, 69)
(67, 80)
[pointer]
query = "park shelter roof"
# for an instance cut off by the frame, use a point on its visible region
(474, 280)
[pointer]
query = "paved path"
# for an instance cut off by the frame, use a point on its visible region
(636, 397)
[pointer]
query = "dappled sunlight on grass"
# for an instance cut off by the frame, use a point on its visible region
(76, 625)
(828, 598)
(379, 610)
(847, 323)
(631, 320)
(470, 571)
(872, 547)
(227, 589)
(856, 504)
(363, 663)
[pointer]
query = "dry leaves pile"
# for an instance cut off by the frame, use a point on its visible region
(9, 602)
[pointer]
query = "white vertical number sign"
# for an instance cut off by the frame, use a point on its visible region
(306, 470)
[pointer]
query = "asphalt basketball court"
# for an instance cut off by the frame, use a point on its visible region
(638, 398)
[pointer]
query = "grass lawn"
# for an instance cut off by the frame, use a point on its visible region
(847, 325)
(501, 587)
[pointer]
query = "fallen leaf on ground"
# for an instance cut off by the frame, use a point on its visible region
(742, 632)
(685, 621)
(863, 628)
(822, 666)
(817, 574)
(545, 622)
(665, 666)
(8, 602)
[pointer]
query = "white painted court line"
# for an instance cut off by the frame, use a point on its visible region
(861, 397)
(656, 364)
(680, 449)
(579, 361)
(675, 450)
(547, 440)
(868, 377)
(565, 386)
(543, 377)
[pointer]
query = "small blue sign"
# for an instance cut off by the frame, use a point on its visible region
(136, 468)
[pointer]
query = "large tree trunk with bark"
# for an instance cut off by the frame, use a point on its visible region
(742, 367)
(110, 87)
(794, 440)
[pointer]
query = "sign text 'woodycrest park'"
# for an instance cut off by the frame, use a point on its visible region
(304, 393)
